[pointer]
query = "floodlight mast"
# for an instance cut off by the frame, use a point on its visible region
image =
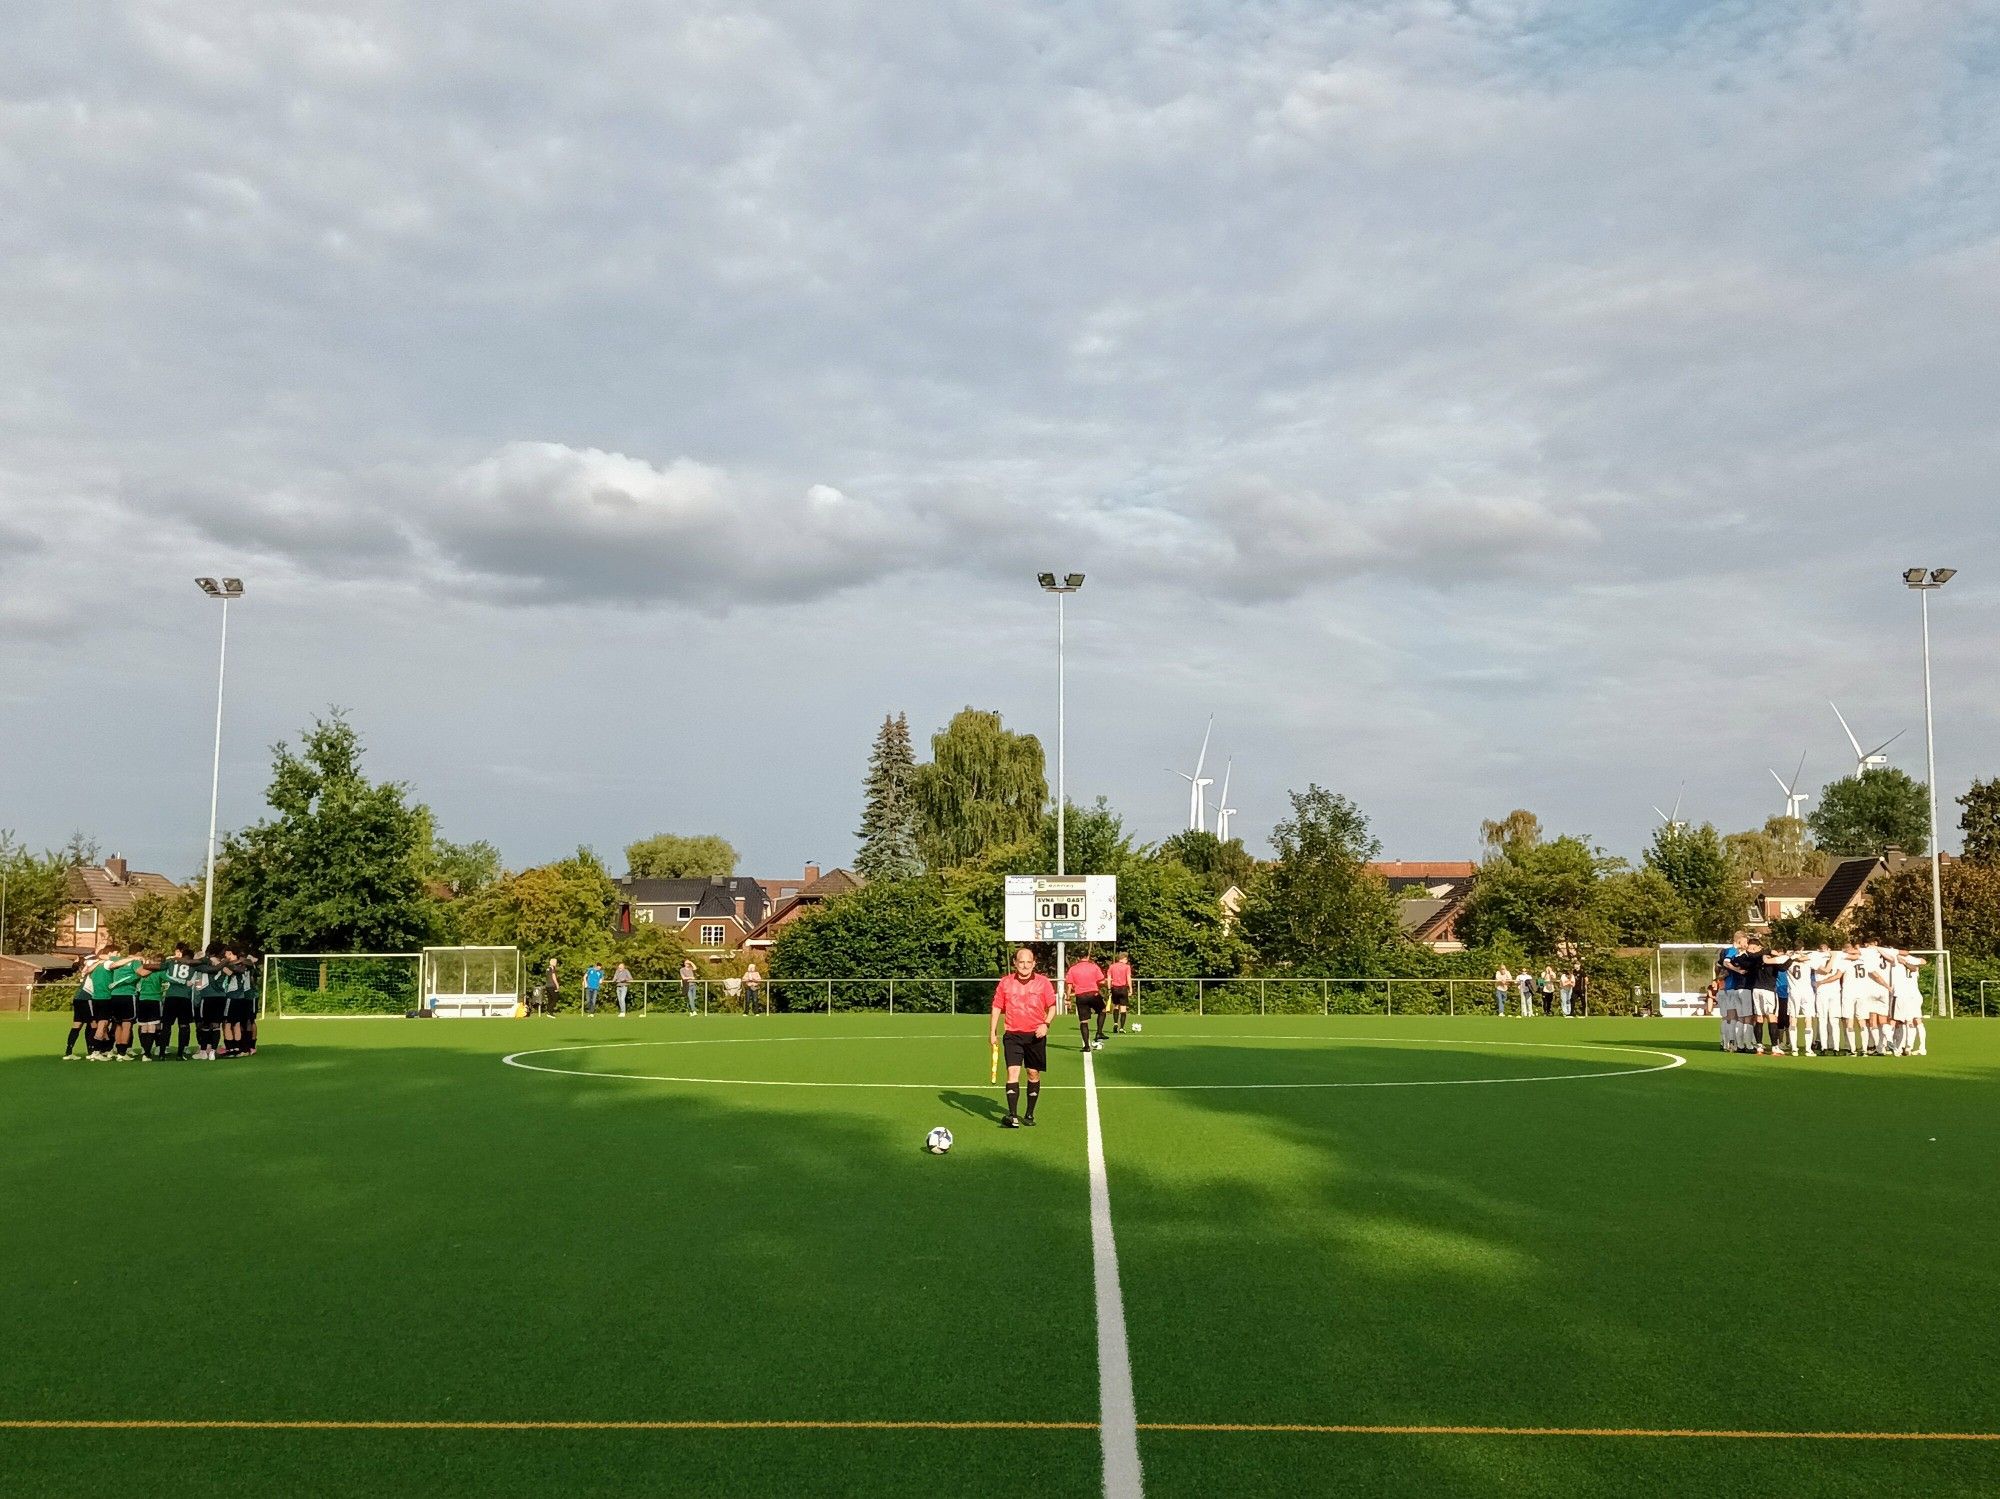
(224, 591)
(1070, 584)
(1925, 584)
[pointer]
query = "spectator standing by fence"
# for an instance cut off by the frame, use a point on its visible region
(1525, 983)
(1547, 984)
(1568, 985)
(551, 986)
(688, 982)
(621, 985)
(1503, 984)
(753, 988)
(593, 983)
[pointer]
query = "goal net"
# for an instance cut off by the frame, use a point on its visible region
(335, 986)
(481, 982)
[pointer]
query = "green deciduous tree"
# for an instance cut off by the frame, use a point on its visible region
(1872, 813)
(1692, 860)
(1979, 822)
(1544, 896)
(37, 885)
(1171, 924)
(1782, 848)
(339, 868)
(673, 856)
(983, 786)
(1504, 837)
(1219, 864)
(888, 831)
(1317, 909)
(153, 923)
(920, 928)
(1640, 909)
(561, 910)
(1898, 908)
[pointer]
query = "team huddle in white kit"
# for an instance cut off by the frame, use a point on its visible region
(1864, 995)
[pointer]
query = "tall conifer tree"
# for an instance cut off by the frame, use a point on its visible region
(888, 830)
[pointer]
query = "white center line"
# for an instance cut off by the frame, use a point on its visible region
(1117, 1414)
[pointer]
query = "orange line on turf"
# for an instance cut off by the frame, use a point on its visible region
(1211, 1428)
(285, 1425)
(1310, 1429)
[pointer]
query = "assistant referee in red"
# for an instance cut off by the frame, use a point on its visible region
(1023, 1001)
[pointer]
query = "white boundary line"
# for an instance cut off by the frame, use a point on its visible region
(1118, 1416)
(1673, 1060)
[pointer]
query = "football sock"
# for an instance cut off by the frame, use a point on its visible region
(1921, 1044)
(1100, 1025)
(70, 1045)
(121, 1047)
(1083, 1029)
(1034, 1095)
(1013, 1099)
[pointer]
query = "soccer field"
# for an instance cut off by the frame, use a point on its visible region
(710, 1256)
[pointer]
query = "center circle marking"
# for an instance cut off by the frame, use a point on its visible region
(1672, 1060)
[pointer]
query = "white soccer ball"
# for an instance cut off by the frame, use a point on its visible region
(938, 1141)
(1136, 1027)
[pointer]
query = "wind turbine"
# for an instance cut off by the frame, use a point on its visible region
(1864, 760)
(1795, 799)
(1197, 783)
(1223, 811)
(1673, 819)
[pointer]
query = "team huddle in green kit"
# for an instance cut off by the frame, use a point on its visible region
(122, 995)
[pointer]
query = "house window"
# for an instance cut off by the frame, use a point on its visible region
(86, 921)
(712, 933)
(687, 912)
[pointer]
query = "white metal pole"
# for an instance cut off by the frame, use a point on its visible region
(1930, 754)
(1062, 788)
(214, 788)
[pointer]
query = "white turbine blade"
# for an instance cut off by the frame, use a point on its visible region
(1845, 729)
(1781, 783)
(1886, 743)
(1798, 775)
(1678, 799)
(1228, 765)
(1202, 758)
(1661, 815)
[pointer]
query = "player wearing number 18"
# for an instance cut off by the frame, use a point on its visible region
(1022, 1004)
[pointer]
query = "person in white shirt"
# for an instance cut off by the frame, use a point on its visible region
(1906, 1005)
(1839, 984)
(1871, 1004)
(1503, 985)
(1525, 982)
(1801, 1001)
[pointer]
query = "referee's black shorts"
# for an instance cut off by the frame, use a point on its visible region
(1026, 1049)
(1121, 999)
(1088, 1005)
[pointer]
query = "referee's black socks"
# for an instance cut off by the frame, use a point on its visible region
(1034, 1093)
(1014, 1099)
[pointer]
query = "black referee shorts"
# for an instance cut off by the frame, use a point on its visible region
(1026, 1049)
(1088, 1005)
(1121, 999)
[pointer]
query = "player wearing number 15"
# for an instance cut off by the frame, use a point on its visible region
(1022, 1004)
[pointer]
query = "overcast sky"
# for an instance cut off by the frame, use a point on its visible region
(618, 407)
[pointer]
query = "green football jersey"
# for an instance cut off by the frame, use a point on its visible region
(125, 978)
(153, 986)
(100, 981)
(180, 978)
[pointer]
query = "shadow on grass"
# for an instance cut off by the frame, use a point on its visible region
(977, 1105)
(345, 1228)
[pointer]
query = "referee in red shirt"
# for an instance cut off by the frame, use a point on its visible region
(1022, 1004)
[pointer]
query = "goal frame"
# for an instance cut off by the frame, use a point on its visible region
(272, 997)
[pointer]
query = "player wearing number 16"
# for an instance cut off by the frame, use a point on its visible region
(1022, 1004)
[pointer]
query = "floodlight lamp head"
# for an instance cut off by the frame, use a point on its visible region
(209, 586)
(1047, 580)
(232, 588)
(1074, 581)
(1914, 576)
(1939, 576)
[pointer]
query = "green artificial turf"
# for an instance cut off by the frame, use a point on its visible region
(379, 1221)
